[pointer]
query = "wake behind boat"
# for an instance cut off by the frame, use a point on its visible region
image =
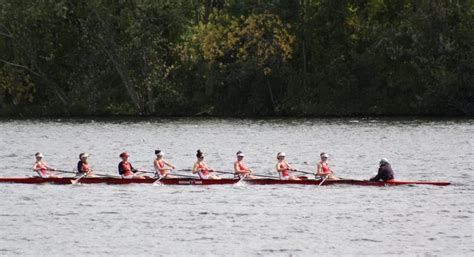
(223, 181)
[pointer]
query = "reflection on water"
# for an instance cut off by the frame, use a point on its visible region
(241, 220)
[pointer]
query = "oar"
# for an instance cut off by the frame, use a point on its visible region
(304, 172)
(65, 171)
(265, 176)
(156, 174)
(325, 177)
(184, 176)
(316, 177)
(223, 172)
(241, 179)
(104, 175)
(174, 174)
(93, 173)
(157, 181)
(74, 181)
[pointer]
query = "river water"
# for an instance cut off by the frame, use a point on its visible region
(245, 220)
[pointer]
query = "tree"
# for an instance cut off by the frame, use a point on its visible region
(259, 44)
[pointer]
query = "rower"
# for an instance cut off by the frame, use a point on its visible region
(42, 168)
(284, 168)
(240, 170)
(323, 170)
(125, 168)
(201, 168)
(83, 166)
(385, 171)
(160, 164)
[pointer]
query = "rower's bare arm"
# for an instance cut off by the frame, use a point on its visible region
(195, 169)
(237, 169)
(48, 167)
(289, 167)
(169, 164)
(318, 169)
(278, 168)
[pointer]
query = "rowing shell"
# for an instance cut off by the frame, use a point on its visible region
(191, 181)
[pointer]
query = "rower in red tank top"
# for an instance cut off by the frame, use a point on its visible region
(160, 165)
(204, 170)
(201, 168)
(41, 167)
(284, 168)
(323, 170)
(240, 170)
(126, 169)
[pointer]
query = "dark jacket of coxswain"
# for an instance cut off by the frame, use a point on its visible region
(385, 173)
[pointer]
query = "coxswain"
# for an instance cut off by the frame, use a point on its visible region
(201, 168)
(83, 166)
(162, 166)
(284, 168)
(322, 168)
(42, 168)
(125, 168)
(385, 171)
(240, 170)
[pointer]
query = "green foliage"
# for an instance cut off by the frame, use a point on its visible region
(239, 58)
(242, 54)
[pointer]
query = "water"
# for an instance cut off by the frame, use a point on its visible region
(241, 220)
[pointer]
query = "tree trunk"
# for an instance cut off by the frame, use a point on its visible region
(207, 10)
(197, 12)
(270, 93)
(109, 46)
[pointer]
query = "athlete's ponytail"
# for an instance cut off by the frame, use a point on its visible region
(199, 153)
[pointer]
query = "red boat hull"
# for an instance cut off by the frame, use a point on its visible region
(191, 181)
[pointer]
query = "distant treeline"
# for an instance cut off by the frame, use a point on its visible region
(236, 57)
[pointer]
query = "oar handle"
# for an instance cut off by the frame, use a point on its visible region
(304, 172)
(183, 175)
(223, 172)
(66, 171)
(172, 174)
(325, 178)
(147, 172)
(93, 173)
(265, 176)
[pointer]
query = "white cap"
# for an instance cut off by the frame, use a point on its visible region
(383, 160)
(161, 153)
(240, 154)
(281, 154)
(83, 155)
(325, 155)
(39, 155)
